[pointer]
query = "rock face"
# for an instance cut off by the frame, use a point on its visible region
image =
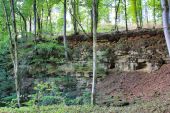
(142, 51)
(139, 53)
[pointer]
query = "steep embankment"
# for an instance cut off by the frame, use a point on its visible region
(132, 86)
(125, 60)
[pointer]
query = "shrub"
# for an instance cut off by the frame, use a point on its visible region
(50, 100)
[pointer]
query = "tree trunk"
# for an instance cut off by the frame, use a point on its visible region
(74, 7)
(126, 15)
(30, 23)
(7, 20)
(9, 31)
(25, 22)
(47, 22)
(79, 23)
(146, 12)
(154, 14)
(116, 14)
(35, 21)
(94, 53)
(91, 14)
(51, 24)
(140, 13)
(21, 29)
(15, 53)
(97, 12)
(64, 37)
(47, 15)
(136, 14)
(166, 23)
(39, 25)
(42, 16)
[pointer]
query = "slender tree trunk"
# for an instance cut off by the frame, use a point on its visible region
(94, 53)
(15, 53)
(21, 29)
(146, 12)
(51, 24)
(30, 23)
(79, 23)
(47, 15)
(140, 13)
(25, 23)
(74, 7)
(116, 14)
(97, 12)
(9, 31)
(39, 25)
(7, 21)
(25, 27)
(42, 16)
(154, 14)
(65, 23)
(136, 14)
(166, 23)
(35, 21)
(126, 15)
(78, 14)
(91, 22)
(47, 22)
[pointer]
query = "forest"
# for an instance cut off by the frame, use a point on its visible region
(84, 56)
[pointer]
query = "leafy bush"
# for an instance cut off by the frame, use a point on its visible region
(6, 80)
(47, 93)
(13, 103)
(49, 46)
(50, 100)
(10, 97)
(77, 101)
(86, 97)
(4, 43)
(81, 100)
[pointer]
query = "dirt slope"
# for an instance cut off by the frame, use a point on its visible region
(135, 85)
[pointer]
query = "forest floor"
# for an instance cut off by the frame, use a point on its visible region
(137, 84)
(133, 88)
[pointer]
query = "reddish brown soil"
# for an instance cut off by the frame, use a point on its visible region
(133, 85)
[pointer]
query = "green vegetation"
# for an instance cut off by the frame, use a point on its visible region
(148, 107)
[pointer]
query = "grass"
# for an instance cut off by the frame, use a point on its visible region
(155, 106)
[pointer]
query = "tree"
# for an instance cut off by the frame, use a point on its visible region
(9, 28)
(65, 23)
(116, 13)
(166, 22)
(49, 6)
(146, 11)
(74, 4)
(96, 14)
(94, 52)
(25, 22)
(75, 19)
(35, 21)
(139, 12)
(30, 23)
(154, 13)
(125, 8)
(15, 61)
(136, 11)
